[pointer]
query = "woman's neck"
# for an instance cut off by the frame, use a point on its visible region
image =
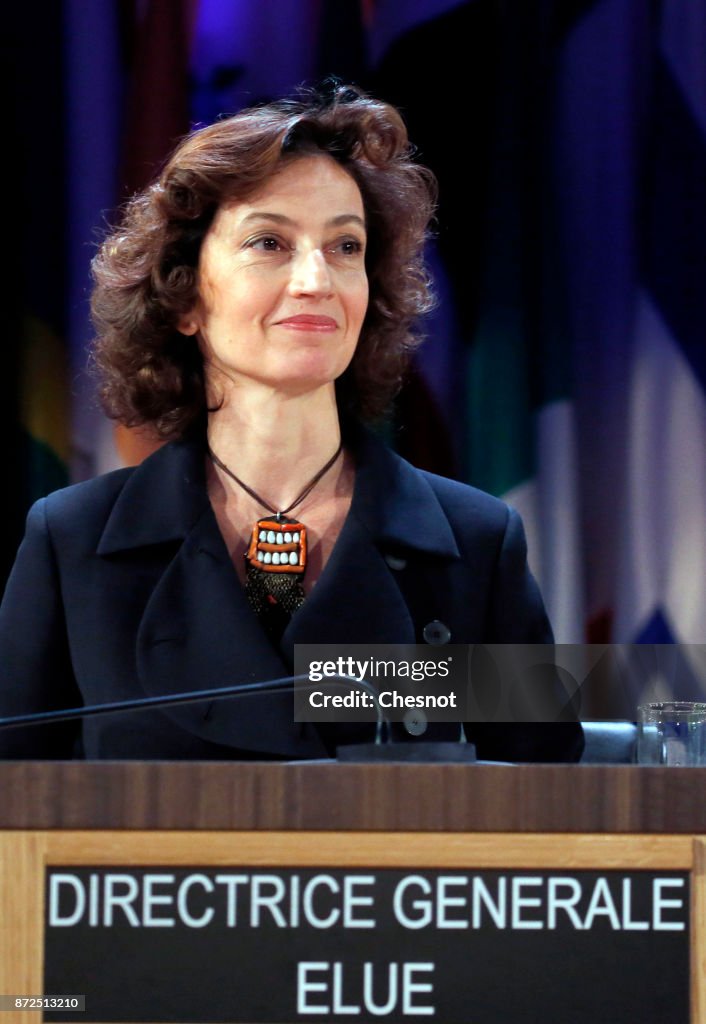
(276, 443)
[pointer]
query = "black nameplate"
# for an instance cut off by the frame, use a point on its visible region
(274, 945)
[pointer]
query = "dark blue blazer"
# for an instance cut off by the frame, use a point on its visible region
(123, 587)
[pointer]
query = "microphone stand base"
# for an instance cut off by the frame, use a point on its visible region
(407, 753)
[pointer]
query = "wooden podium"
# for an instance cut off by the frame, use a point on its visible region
(327, 815)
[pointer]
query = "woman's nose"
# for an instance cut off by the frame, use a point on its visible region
(310, 274)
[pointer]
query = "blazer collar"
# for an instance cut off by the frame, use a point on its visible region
(165, 497)
(396, 502)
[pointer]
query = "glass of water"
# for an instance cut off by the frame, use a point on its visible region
(672, 732)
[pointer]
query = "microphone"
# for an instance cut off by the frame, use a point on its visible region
(194, 697)
(383, 748)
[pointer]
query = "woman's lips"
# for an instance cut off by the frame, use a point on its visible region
(307, 322)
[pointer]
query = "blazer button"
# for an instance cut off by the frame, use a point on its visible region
(436, 633)
(415, 722)
(396, 563)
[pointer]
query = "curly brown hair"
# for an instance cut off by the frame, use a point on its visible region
(146, 271)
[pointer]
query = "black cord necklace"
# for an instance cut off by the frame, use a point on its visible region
(275, 561)
(297, 501)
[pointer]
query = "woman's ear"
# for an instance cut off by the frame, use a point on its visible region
(187, 324)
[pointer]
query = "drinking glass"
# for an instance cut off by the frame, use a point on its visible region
(672, 732)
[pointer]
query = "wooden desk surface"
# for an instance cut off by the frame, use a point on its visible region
(327, 796)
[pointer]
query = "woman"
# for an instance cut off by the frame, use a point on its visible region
(255, 305)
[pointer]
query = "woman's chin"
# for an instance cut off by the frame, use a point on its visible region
(300, 386)
(300, 372)
(308, 372)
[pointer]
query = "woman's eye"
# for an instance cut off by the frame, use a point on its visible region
(348, 247)
(266, 244)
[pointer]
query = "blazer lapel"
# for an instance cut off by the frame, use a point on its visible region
(394, 513)
(355, 601)
(198, 630)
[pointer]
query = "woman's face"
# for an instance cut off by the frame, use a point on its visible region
(282, 285)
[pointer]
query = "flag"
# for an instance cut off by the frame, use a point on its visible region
(632, 135)
(662, 583)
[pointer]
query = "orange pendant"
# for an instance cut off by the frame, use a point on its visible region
(278, 545)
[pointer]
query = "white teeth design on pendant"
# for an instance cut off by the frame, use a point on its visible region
(261, 556)
(287, 538)
(295, 537)
(275, 558)
(293, 557)
(263, 534)
(270, 536)
(268, 558)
